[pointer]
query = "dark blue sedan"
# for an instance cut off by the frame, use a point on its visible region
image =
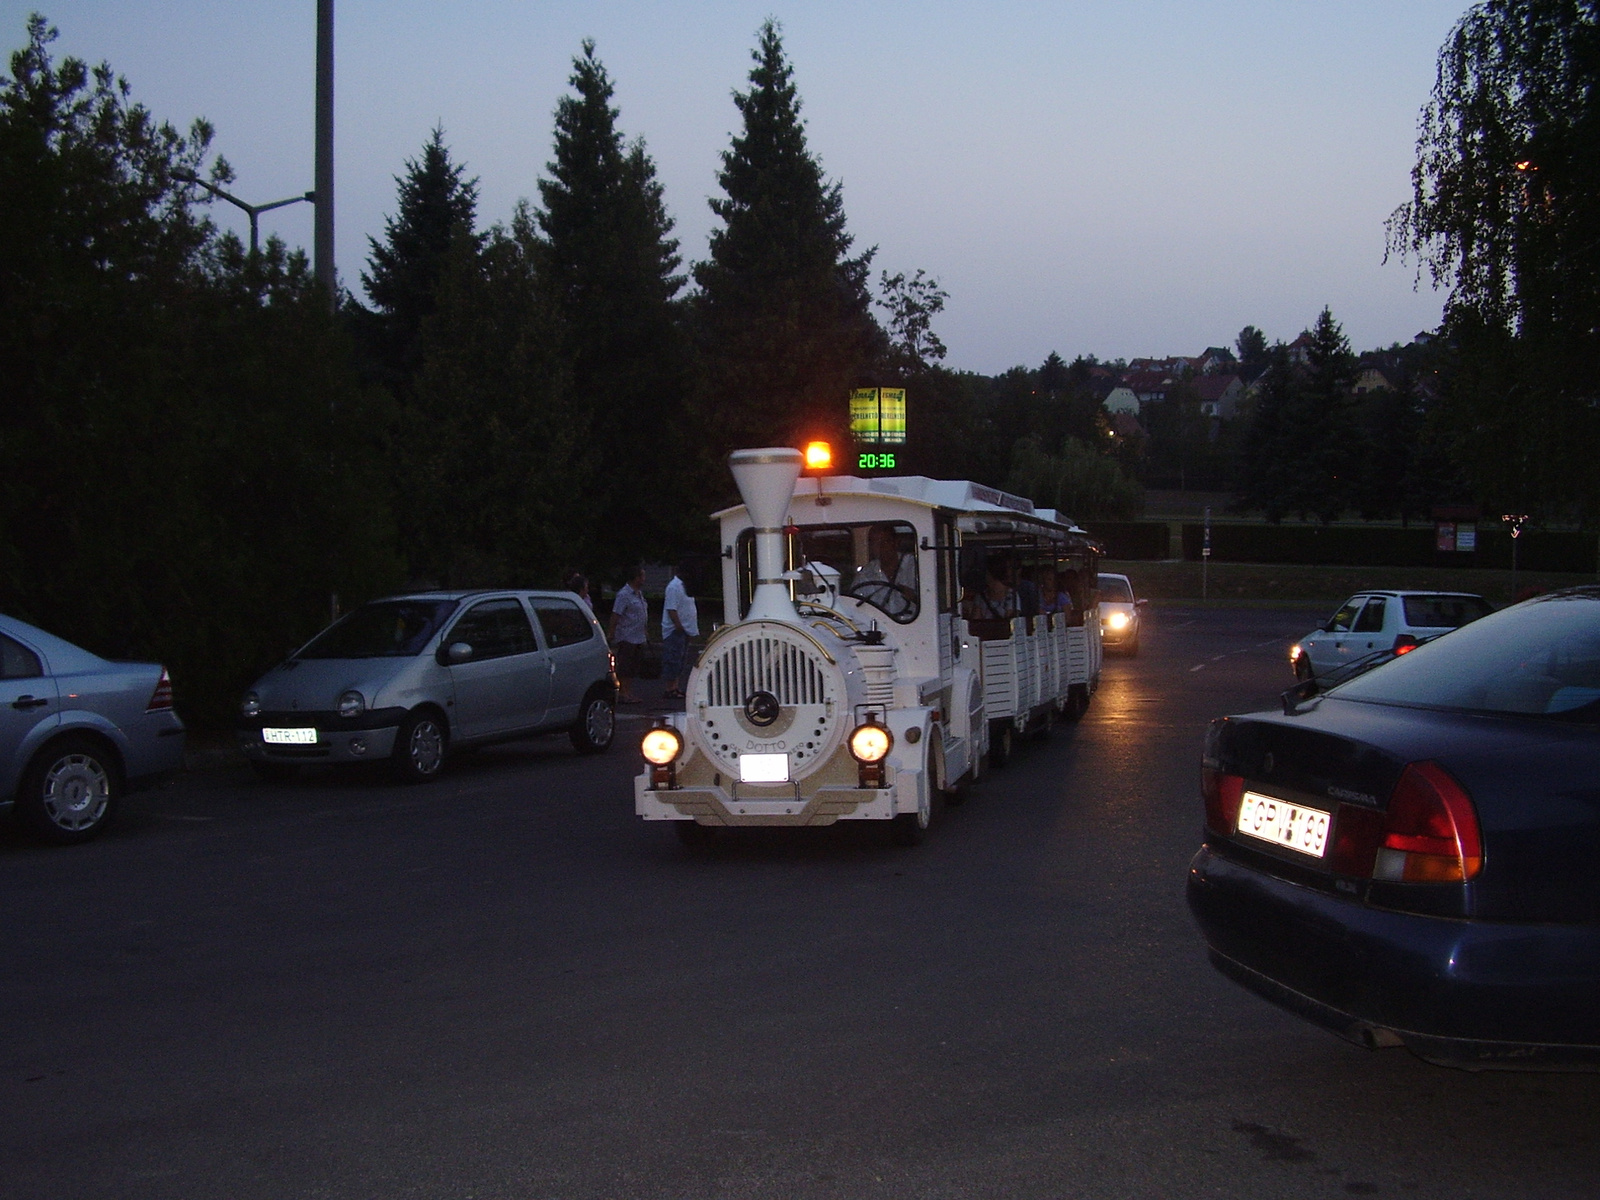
(1413, 858)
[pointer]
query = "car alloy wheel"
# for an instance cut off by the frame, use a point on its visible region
(596, 724)
(419, 748)
(70, 791)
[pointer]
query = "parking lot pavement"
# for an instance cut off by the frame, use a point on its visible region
(503, 984)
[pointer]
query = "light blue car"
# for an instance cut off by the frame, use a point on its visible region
(411, 678)
(78, 731)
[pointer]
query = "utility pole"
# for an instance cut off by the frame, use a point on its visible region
(322, 232)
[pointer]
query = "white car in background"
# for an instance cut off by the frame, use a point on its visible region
(1374, 622)
(1119, 615)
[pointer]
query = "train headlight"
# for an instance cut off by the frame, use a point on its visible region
(870, 743)
(661, 746)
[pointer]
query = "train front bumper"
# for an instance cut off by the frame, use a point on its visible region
(752, 804)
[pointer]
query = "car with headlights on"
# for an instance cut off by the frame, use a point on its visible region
(412, 679)
(1120, 615)
(1370, 622)
(78, 731)
(1412, 858)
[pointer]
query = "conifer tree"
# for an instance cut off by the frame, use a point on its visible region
(784, 312)
(436, 205)
(610, 262)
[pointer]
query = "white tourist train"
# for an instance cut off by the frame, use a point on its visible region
(883, 638)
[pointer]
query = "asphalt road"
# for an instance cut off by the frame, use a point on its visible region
(504, 985)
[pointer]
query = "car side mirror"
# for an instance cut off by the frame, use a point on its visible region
(455, 652)
(1140, 603)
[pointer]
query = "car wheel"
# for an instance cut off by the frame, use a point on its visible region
(274, 772)
(1302, 670)
(419, 748)
(70, 791)
(597, 722)
(1000, 735)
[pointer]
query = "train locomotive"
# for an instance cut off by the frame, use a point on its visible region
(883, 641)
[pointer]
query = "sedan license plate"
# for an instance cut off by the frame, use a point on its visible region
(763, 768)
(1283, 824)
(289, 737)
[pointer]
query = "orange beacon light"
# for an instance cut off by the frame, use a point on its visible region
(819, 456)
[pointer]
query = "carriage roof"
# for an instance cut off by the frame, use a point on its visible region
(990, 508)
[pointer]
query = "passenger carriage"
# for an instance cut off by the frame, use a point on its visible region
(882, 638)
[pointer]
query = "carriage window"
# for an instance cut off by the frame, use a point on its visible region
(847, 567)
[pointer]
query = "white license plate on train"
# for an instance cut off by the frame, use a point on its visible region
(289, 737)
(763, 768)
(1283, 824)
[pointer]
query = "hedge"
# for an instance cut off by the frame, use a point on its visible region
(1132, 539)
(1385, 546)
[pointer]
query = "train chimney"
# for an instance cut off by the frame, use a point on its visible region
(766, 480)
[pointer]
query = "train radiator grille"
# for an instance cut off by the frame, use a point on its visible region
(764, 664)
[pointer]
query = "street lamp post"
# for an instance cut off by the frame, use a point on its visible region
(254, 211)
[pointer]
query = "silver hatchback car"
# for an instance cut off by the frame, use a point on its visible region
(412, 678)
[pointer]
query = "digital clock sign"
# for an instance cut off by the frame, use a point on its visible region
(875, 461)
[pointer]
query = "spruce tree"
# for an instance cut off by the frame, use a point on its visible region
(436, 205)
(1326, 425)
(610, 262)
(784, 312)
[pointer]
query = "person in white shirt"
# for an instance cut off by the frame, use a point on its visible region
(679, 623)
(630, 617)
(889, 578)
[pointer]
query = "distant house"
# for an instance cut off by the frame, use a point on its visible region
(1215, 360)
(1122, 400)
(1149, 387)
(1219, 395)
(1300, 350)
(1370, 379)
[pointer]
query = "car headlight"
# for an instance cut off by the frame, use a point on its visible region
(1118, 620)
(250, 706)
(1295, 651)
(870, 743)
(352, 704)
(661, 746)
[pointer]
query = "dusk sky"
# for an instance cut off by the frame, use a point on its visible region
(1119, 179)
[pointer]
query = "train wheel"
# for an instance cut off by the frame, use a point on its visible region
(1000, 738)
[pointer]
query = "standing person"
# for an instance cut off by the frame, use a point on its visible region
(679, 623)
(578, 582)
(629, 628)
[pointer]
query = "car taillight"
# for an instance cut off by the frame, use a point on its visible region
(162, 697)
(1404, 643)
(1431, 830)
(1223, 794)
(1429, 834)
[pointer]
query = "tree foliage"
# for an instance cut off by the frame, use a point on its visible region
(1076, 480)
(1505, 205)
(783, 316)
(611, 267)
(436, 205)
(184, 466)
